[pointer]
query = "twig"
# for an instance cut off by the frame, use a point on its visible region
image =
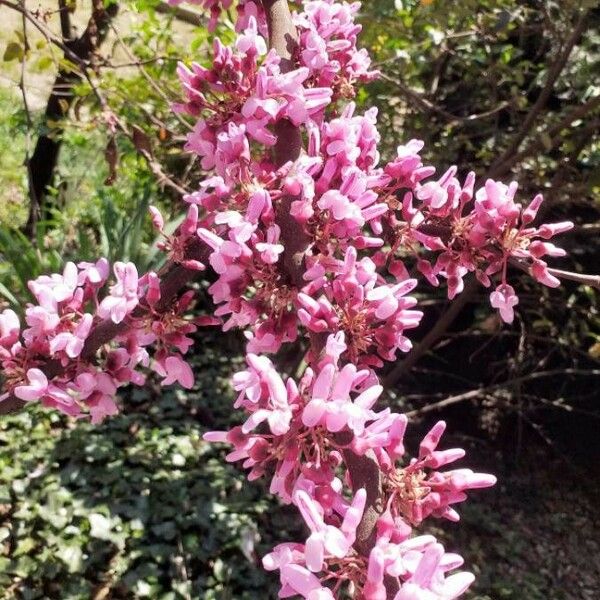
(508, 156)
(482, 391)
(551, 134)
(426, 105)
(590, 280)
(587, 229)
(181, 14)
(146, 76)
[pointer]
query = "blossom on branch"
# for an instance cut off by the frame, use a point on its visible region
(324, 244)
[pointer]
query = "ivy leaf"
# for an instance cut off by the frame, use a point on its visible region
(72, 556)
(99, 526)
(4, 533)
(44, 63)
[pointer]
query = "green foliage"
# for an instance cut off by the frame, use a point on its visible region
(14, 51)
(12, 151)
(88, 219)
(24, 259)
(469, 58)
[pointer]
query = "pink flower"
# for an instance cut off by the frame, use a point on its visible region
(504, 299)
(341, 207)
(72, 342)
(330, 403)
(123, 297)
(270, 250)
(55, 288)
(539, 271)
(225, 252)
(51, 394)
(386, 297)
(269, 398)
(249, 42)
(428, 581)
(94, 273)
(324, 539)
(298, 580)
(100, 408)
(37, 388)
(96, 390)
(416, 494)
(175, 369)
(10, 328)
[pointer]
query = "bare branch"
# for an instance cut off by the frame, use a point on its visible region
(425, 105)
(483, 391)
(551, 78)
(185, 15)
(590, 280)
(552, 134)
(434, 334)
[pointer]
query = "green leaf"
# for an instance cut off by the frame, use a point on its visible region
(44, 63)
(99, 526)
(72, 556)
(14, 51)
(24, 546)
(4, 291)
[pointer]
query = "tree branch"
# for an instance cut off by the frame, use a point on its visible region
(181, 13)
(590, 280)
(552, 134)
(434, 334)
(426, 106)
(553, 74)
(65, 20)
(364, 470)
(481, 391)
(43, 161)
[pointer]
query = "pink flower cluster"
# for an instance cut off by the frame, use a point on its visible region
(310, 427)
(348, 296)
(239, 98)
(420, 563)
(470, 230)
(328, 37)
(362, 220)
(59, 325)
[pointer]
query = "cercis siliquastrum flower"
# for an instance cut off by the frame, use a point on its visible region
(330, 268)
